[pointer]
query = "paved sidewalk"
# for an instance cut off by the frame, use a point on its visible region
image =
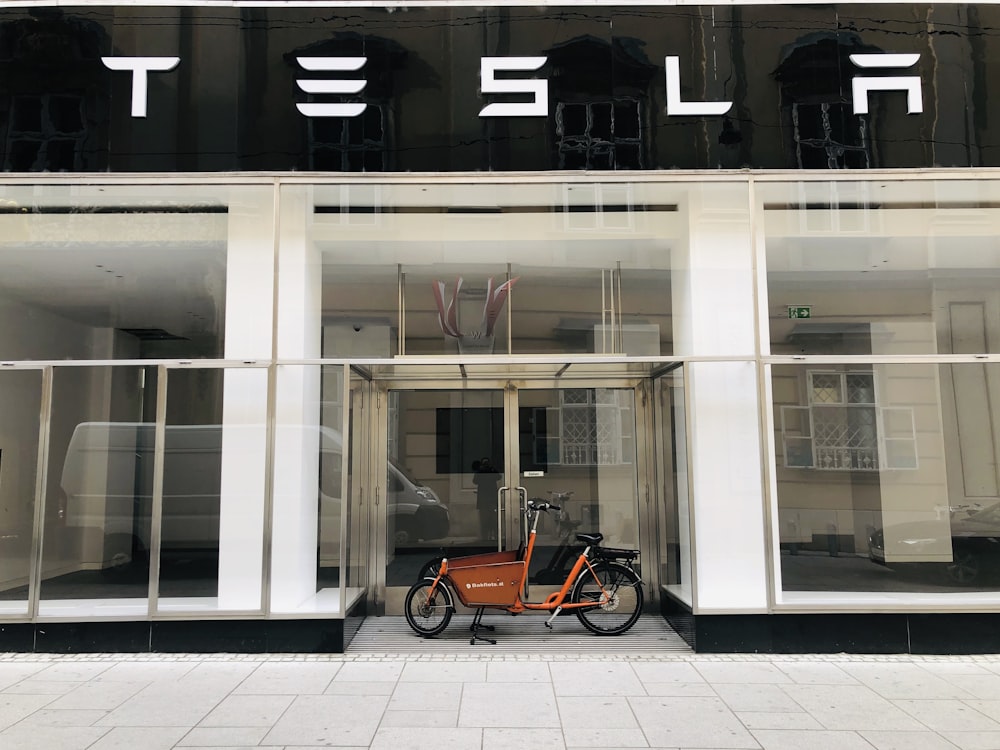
(499, 701)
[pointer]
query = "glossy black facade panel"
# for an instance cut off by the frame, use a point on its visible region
(230, 102)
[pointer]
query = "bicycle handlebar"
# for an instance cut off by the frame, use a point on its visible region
(541, 505)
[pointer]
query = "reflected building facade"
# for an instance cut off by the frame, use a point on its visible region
(276, 279)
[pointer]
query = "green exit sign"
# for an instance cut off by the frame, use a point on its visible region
(802, 311)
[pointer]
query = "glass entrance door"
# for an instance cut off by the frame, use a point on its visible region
(462, 462)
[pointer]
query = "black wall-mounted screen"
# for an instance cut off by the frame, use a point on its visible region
(465, 436)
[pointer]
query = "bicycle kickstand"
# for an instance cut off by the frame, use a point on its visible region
(477, 625)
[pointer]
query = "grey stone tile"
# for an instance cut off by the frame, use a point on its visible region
(518, 672)
(13, 708)
(851, 707)
(248, 711)
(902, 681)
(43, 687)
(458, 671)
(47, 717)
(222, 736)
(680, 689)
(986, 685)
(328, 720)
(506, 738)
(777, 720)
(71, 671)
(990, 708)
(690, 722)
(360, 688)
(812, 673)
(610, 712)
(143, 738)
(374, 672)
(443, 718)
(413, 696)
(740, 672)
(289, 678)
(973, 740)
(949, 715)
(660, 672)
(501, 704)
(13, 672)
(102, 695)
(392, 738)
(147, 671)
(583, 678)
(796, 739)
(166, 704)
(50, 738)
(604, 737)
(907, 741)
(756, 697)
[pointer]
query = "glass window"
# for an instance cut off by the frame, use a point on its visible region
(133, 272)
(882, 267)
(319, 516)
(20, 404)
(887, 477)
(479, 269)
(97, 528)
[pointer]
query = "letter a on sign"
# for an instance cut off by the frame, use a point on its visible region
(537, 87)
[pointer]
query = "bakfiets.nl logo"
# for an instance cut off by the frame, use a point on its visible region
(535, 90)
(485, 585)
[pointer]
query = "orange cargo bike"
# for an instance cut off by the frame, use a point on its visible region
(602, 588)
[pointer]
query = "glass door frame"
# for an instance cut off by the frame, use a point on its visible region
(510, 517)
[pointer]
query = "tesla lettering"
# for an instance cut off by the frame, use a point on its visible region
(862, 85)
(140, 67)
(340, 86)
(537, 87)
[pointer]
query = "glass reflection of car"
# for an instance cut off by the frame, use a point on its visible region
(975, 544)
(107, 481)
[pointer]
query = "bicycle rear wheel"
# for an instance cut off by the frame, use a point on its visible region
(428, 614)
(623, 605)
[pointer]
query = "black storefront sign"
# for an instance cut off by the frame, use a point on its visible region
(517, 88)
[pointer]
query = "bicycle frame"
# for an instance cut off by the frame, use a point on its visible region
(554, 603)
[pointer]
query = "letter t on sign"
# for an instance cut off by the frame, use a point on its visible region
(140, 67)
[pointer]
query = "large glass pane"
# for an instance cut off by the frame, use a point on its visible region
(672, 479)
(20, 404)
(134, 272)
(882, 267)
(96, 533)
(438, 499)
(358, 508)
(887, 477)
(378, 270)
(577, 447)
(309, 511)
(212, 520)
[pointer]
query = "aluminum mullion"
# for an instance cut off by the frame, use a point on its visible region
(41, 488)
(159, 441)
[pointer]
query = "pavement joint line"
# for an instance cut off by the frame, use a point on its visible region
(838, 658)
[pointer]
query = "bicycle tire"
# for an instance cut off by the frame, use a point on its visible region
(428, 615)
(625, 606)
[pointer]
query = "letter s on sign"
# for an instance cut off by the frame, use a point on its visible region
(539, 87)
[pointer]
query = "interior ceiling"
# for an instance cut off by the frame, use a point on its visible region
(178, 287)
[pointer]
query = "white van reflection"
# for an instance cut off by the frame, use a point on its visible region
(107, 485)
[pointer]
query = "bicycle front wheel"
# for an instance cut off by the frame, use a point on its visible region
(616, 594)
(428, 614)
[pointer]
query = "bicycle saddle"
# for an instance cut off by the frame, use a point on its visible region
(590, 538)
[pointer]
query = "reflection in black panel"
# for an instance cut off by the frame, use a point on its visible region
(466, 435)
